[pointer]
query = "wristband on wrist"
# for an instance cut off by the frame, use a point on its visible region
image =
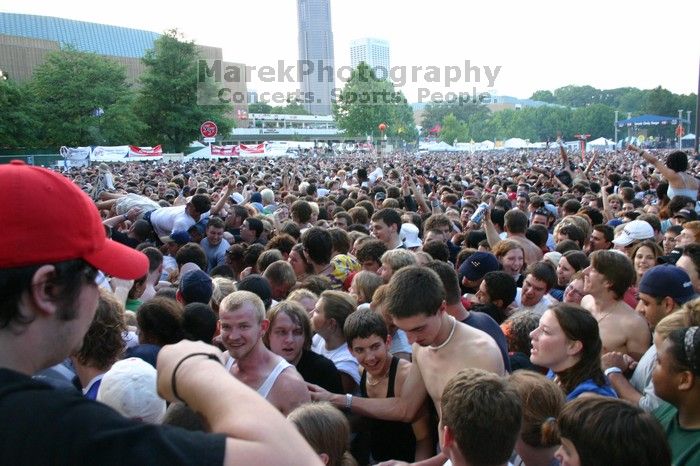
(612, 370)
(173, 384)
(126, 217)
(348, 402)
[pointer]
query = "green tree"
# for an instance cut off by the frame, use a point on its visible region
(543, 96)
(365, 102)
(632, 101)
(119, 125)
(577, 96)
(463, 109)
(75, 91)
(168, 99)
(18, 124)
(453, 130)
(596, 120)
(660, 101)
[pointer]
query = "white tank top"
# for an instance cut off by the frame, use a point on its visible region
(266, 386)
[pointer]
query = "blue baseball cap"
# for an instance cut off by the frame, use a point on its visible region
(477, 265)
(667, 280)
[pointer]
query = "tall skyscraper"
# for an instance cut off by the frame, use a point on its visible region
(316, 50)
(374, 52)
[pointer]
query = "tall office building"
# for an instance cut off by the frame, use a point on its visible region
(374, 52)
(316, 49)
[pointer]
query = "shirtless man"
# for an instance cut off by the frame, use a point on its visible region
(515, 226)
(243, 323)
(442, 346)
(605, 282)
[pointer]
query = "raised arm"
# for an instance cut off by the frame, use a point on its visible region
(222, 199)
(257, 432)
(491, 232)
(669, 174)
(590, 164)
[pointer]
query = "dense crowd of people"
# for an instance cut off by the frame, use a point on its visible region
(503, 307)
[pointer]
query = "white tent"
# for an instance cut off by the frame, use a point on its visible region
(601, 142)
(486, 145)
(441, 146)
(688, 137)
(515, 143)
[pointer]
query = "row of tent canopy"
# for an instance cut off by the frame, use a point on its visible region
(512, 143)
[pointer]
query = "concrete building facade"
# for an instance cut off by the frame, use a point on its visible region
(25, 40)
(317, 77)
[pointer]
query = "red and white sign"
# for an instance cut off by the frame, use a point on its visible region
(208, 129)
(224, 151)
(237, 150)
(251, 149)
(135, 151)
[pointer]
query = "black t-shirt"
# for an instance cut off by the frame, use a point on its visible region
(319, 370)
(40, 425)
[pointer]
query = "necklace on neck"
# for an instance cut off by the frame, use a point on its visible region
(449, 337)
(603, 318)
(375, 381)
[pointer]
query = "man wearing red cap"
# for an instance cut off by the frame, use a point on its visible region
(53, 245)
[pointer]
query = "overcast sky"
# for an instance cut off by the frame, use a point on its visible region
(538, 44)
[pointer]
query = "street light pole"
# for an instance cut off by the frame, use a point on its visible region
(617, 112)
(680, 132)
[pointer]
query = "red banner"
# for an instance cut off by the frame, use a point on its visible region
(246, 149)
(224, 151)
(135, 151)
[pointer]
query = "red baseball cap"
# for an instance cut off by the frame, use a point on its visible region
(46, 218)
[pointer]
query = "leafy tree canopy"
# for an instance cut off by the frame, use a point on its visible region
(73, 91)
(365, 102)
(168, 99)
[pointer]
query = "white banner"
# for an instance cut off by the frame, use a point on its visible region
(110, 153)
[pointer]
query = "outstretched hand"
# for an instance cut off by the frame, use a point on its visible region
(318, 393)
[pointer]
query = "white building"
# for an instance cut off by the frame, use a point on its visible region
(374, 52)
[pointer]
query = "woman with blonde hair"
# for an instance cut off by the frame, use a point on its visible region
(363, 286)
(687, 316)
(327, 431)
(305, 297)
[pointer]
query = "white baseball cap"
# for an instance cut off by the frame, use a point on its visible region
(636, 230)
(130, 388)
